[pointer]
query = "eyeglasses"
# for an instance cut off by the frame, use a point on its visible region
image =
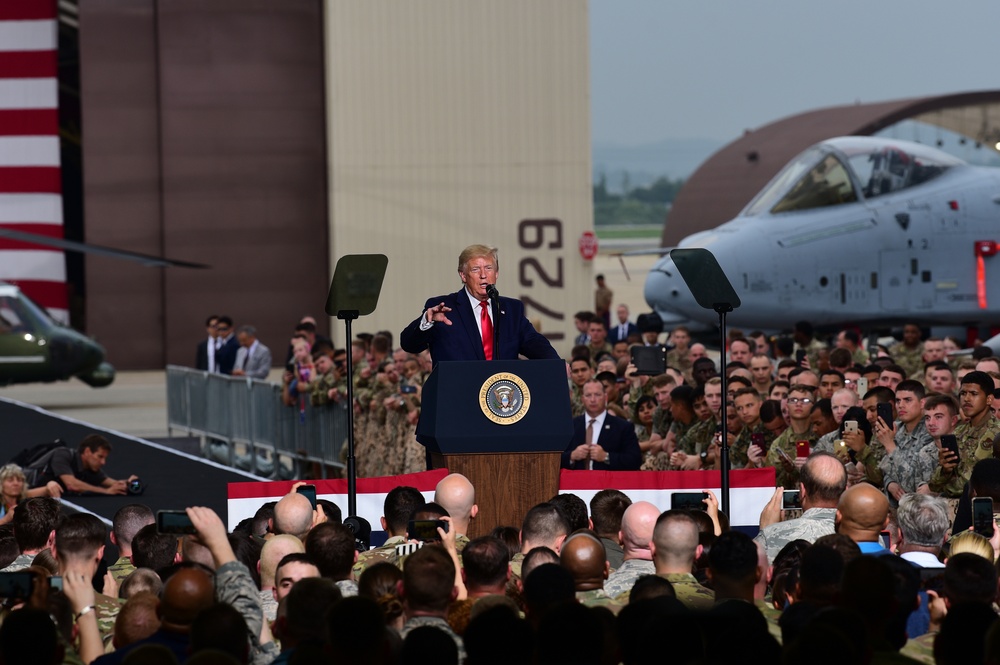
(799, 400)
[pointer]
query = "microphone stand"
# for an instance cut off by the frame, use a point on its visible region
(491, 291)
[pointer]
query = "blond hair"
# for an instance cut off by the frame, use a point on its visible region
(970, 541)
(14, 471)
(477, 252)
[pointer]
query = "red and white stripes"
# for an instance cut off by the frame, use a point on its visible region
(30, 180)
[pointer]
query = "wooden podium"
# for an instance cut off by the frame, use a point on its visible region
(503, 425)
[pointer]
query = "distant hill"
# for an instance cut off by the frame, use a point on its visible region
(644, 163)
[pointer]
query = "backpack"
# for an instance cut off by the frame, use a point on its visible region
(34, 460)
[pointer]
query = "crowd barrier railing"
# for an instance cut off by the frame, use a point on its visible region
(243, 423)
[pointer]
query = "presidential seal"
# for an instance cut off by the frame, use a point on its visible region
(504, 398)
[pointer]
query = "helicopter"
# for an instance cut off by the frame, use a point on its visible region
(854, 230)
(34, 347)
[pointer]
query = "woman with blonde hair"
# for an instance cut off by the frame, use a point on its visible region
(970, 541)
(14, 490)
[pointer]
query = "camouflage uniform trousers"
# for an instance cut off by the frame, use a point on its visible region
(620, 582)
(784, 477)
(693, 595)
(913, 461)
(695, 440)
(813, 523)
(598, 598)
(435, 622)
(974, 444)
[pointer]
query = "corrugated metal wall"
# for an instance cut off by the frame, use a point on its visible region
(451, 122)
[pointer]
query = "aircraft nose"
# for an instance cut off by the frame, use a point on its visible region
(667, 293)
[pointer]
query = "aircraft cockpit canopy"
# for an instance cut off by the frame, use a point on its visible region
(846, 170)
(21, 316)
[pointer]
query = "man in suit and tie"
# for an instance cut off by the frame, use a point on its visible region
(460, 326)
(226, 345)
(600, 440)
(253, 359)
(622, 328)
(205, 358)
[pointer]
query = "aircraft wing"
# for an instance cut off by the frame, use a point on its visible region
(73, 246)
(657, 251)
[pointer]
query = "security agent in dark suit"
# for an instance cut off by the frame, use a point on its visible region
(225, 357)
(451, 326)
(205, 357)
(615, 446)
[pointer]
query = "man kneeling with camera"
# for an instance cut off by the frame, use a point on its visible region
(80, 471)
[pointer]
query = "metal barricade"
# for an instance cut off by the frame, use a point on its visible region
(244, 423)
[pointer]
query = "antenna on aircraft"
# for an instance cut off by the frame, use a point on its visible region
(712, 290)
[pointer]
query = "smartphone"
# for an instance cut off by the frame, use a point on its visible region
(850, 426)
(688, 500)
(649, 360)
(425, 530)
(950, 442)
(982, 515)
(758, 439)
(885, 538)
(800, 356)
(802, 449)
(862, 386)
(173, 521)
(55, 583)
(16, 585)
(407, 390)
(790, 500)
(884, 411)
(309, 492)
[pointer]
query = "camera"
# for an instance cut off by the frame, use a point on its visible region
(135, 487)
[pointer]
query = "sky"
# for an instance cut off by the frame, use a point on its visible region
(713, 68)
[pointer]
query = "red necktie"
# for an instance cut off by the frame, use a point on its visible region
(487, 326)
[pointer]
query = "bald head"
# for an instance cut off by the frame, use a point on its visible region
(186, 593)
(293, 515)
(457, 495)
(862, 513)
(137, 619)
(274, 550)
(584, 557)
(824, 479)
(637, 529)
(675, 542)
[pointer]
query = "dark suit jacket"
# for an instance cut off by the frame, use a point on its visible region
(613, 333)
(461, 340)
(201, 358)
(225, 357)
(617, 437)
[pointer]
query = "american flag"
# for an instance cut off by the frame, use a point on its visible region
(30, 180)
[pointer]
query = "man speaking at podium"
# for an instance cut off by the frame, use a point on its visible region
(460, 326)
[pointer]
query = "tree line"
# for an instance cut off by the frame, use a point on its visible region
(635, 204)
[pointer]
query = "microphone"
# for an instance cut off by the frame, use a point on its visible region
(492, 292)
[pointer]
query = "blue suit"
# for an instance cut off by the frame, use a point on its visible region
(462, 341)
(613, 335)
(225, 357)
(617, 437)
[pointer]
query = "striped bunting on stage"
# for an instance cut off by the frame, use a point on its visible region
(30, 177)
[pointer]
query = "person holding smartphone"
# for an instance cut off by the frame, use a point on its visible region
(910, 455)
(782, 454)
(754, 439)
(878, 403)
(974, 435)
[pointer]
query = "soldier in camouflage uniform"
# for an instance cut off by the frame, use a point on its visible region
(598, 340)
(975, 436)
(580, 372)
(782, 453)
(435, 569)
(673, 547)
(399, 504)
(680, 356)
(583, 555)
(747, 402)
(126, 523)
(822, 481)
(79, 545)
(911, 457)
(636, 530)
(802, 334)
(909, 353)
